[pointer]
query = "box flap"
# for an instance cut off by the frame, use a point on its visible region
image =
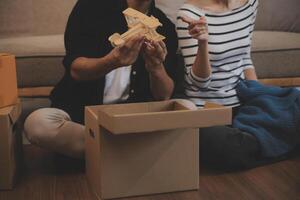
(5, 54)
(13, 112)
(157, 116)
(8, 80)
(208, 105)
(1, 98)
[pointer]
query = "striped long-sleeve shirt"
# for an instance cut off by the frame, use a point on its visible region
(229, 45)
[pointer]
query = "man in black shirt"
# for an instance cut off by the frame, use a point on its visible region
(97, 73)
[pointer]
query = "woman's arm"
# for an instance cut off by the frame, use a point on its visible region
(195, 50)
(201, 67)
(250, 74)
(198, 30)
(249, 70)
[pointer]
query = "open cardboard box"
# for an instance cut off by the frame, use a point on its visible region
(146, 148)
(8, 80)
(10, 146)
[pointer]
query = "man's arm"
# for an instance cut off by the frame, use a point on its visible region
(83, 59)
(84, 69)
(161, 84)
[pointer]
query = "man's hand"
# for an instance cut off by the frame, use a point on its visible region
(161, 84)
(197, 28)
(127, 53)
(154, 55)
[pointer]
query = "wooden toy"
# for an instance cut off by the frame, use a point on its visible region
(138, 23)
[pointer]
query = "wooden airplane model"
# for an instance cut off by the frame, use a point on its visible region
(138, 23)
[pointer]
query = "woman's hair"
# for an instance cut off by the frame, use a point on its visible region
(225, 2)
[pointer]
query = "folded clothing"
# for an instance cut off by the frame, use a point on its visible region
(271, 114)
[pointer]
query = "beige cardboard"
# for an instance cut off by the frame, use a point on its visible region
(92, 142)
(10, 147)
(146, 148)
(8, 80)
(143, 117)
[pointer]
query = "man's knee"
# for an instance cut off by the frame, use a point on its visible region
(42, 125)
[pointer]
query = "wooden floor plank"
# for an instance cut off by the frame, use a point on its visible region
(50, 177)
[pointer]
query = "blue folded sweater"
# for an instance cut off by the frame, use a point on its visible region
(271, 114)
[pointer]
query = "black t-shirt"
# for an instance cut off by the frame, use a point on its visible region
(89, 26)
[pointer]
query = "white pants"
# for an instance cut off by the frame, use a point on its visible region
(53, 129)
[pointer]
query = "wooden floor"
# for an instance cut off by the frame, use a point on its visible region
(50, 178)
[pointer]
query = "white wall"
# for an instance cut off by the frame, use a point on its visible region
(170, 7)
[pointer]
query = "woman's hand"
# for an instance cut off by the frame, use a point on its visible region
(127, 53)
(197, 28)
(201, 67)
(154, 55)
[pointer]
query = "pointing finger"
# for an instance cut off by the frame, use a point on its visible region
(187, 19)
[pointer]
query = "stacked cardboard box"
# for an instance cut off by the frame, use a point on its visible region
(8, 80)
(10, 110)
(146, 148)
(10, 145)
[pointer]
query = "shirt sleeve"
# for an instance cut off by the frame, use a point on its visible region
(171, 41)
(247, 61)
(82, 38)
(189, 48)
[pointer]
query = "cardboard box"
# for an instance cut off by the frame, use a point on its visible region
(146, 148)
(10, 146)
(8, 80)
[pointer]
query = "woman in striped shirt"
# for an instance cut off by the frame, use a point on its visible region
(215, 41)
(215, 38)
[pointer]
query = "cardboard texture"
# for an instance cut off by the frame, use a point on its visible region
(10, 146)
(8, 80)
(146, 148)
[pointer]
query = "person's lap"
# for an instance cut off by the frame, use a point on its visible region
(221, 147)
(228, 148)
(53, 129)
